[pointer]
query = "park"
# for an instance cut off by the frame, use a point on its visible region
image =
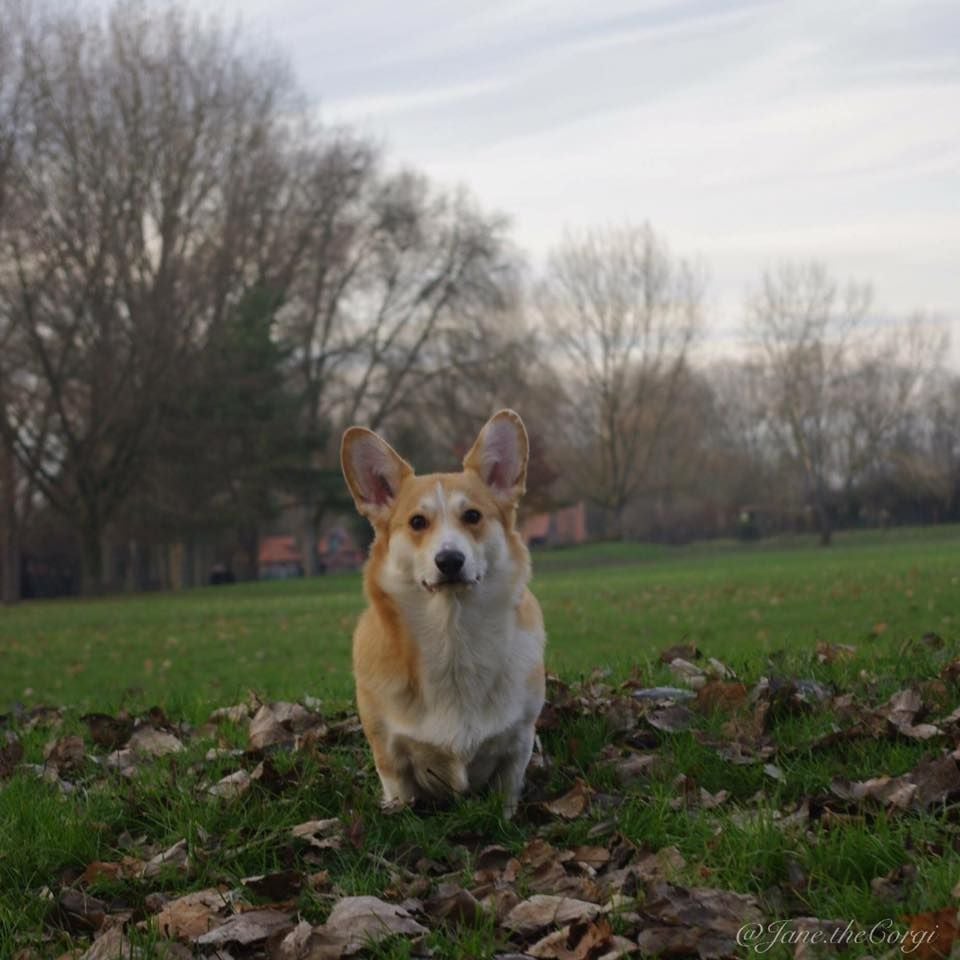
(780, 761)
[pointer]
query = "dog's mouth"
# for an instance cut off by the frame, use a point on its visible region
(448, 583)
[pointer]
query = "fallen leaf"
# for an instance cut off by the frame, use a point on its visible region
(280, 722)
(190, 916)
(542, 910)
(113, 945)
(895, 884)
(356, 922)
(11, 753)
(284, 885)
(452, 904)
(294, 945)
(698, 920)
(932, 935)
(235, 714)
(147, 741)
(321, 834)
(574, 803)
(174, 858)
(127, 869)
(834, 652)
(663, 695)
(671, 719)
(636, 766)
(683, 651)
(65, 755)
(582, 941)
(231, 786)
(78, 912)
(686, 670)
(244, 929)
(107, 731)
(721, 695)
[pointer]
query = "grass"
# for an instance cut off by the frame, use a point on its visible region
(760, 608)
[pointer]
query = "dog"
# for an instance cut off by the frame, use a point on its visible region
(448, 654)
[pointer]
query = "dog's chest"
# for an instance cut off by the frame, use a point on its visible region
(472, 670)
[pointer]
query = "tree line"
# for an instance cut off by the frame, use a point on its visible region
(200, 286)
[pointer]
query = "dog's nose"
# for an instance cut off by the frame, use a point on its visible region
(449, 562)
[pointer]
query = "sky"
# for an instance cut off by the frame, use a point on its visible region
(747, 133)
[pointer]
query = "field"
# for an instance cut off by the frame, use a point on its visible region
(764, 793)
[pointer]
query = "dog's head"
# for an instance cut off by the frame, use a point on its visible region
(443, 532)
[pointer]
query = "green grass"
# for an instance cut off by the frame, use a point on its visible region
(759, 608)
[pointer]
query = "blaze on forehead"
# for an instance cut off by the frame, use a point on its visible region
(456, 489)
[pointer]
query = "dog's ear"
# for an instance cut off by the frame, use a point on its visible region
(499, 456)
(373, 471)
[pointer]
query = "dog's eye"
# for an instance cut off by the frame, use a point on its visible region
(472, 517)
(418, 521)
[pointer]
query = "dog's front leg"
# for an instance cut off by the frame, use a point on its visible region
(508, 777)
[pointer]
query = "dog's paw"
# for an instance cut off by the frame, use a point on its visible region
(395, 805)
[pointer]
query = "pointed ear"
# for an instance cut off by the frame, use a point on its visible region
(499, 456)
(373, 471)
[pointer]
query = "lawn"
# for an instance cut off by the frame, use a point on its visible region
(754, 789)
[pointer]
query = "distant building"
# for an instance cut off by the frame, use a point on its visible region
(338, 550)
(562, 527)
(279, 559)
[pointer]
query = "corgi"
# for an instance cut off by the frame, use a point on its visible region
(448, 654)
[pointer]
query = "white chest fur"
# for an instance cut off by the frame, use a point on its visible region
(475, 665)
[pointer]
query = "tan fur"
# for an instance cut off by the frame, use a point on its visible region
(437, 693)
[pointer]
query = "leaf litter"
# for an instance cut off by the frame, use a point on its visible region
(604, 898)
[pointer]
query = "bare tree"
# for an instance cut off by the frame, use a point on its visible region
(142, 204)
(15, 490)
(625, 315)
(836, 385)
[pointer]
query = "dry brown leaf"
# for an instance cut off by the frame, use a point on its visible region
(66, 754)
(540, 911)
(452, 904)
(930, 782)
(176, 858)
(284, 885)
(79, 912)
(245, 929)
(574, 803)
(11, 753)
(582, 941)
(673, 719)
(294, 945)
(129, 868)
(148, 741)
(834, 652)
(231, 786)
(280, 723)
(684, 651)
(356, 922)
(895, 884)
(636, 766)
(235, 714)
(113, 945)
(593, 857)
(685, 670)
(190, 916)
(720, 911)
(321, 834)
(932, 934)
(721, 695)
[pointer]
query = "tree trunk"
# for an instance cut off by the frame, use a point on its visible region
(91, 545)
(10, 559)
(826, 527)
(309, 524)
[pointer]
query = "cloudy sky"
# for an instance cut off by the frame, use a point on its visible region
(746, 132)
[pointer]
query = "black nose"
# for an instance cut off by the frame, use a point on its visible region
(449, 562)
